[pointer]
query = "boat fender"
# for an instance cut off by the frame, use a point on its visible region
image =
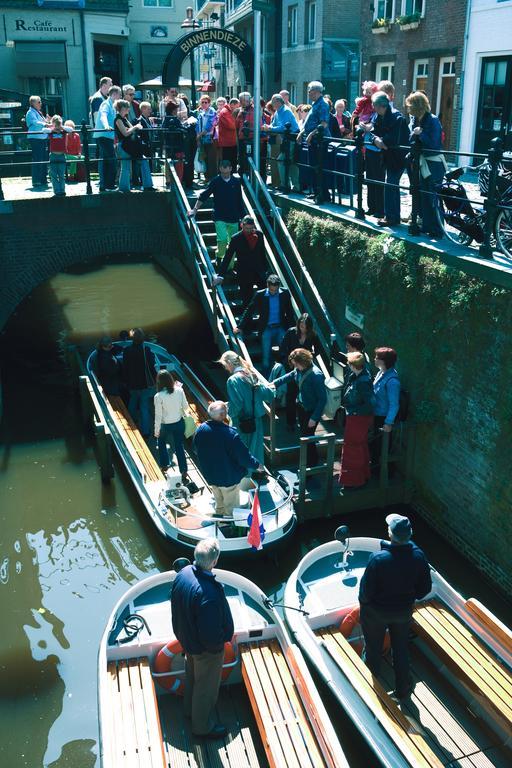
(230, 659)
(351, 620)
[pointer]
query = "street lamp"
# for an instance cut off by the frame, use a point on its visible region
(191, 23)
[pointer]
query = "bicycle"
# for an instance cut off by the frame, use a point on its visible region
(460, 221)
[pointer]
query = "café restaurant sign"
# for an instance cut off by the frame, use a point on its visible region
(38, 25)
(216, 35)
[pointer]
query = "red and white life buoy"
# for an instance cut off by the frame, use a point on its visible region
(350, 625)
(166, 676)
(164, 666)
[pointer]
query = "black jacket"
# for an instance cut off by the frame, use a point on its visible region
(138, 366)
(108, 370)
(395, 577)
(146, 135)
(291, 341)
(201, 617)
(393, 130)
(249, 262)
(259, 305)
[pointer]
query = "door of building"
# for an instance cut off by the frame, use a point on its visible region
(107, 62)
(445, 94)
(494, 117)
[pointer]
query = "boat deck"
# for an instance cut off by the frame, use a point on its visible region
(241, 748)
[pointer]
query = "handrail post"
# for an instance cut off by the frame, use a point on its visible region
(384, 455)
(303, 441)
(329, 460)
(494, 154)
(286, 152)
(87, 158)
(215, 314)
(359, 141)
(319, 142)
(246, 148)
(414, 187)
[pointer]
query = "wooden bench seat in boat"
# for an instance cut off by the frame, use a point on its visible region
(135, 442)
(403, 733)
(286, 733)
(468, 658)
(134, 737)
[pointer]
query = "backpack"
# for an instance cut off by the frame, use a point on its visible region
(403, 403)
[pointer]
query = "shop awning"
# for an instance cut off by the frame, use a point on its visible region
(153, 57)
(36, 59)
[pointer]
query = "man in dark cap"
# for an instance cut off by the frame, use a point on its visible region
(394, 578)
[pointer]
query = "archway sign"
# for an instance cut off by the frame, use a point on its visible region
(219, 36)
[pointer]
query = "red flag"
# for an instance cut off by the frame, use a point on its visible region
(256, 530)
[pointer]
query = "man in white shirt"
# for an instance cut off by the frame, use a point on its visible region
(104, 135)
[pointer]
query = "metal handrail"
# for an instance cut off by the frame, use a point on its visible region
(218, 302)
(320, 313)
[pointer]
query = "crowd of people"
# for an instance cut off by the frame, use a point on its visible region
(198, 140)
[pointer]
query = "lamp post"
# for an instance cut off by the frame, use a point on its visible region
(191, 23)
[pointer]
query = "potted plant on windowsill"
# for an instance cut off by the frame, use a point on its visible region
(380, 27)
(412, 21)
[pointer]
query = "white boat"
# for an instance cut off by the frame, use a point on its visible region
(460, 712)
(186, 514)
(268, 701)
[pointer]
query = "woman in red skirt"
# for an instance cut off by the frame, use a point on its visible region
(358, 402)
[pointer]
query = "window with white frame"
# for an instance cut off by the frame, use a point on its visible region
(292, 25)
(310, 23)
(384, 9)
(158, 3)
(292, 90)
(385, 70)
(420, 79)
(448, 67)
(413, 6)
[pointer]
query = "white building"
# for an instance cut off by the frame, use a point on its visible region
(487, 86)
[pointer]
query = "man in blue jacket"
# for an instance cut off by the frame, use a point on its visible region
(311, 397)
(223, 458)
(394, 578)
(202, 622)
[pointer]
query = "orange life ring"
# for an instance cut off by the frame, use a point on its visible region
(164, 662)
(350, 622)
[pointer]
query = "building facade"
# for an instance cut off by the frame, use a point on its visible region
(487, 84)
(59, 49)
(313, 49)
(418, 44)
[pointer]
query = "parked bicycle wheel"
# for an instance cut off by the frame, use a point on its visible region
(504, 232)
(452, 225)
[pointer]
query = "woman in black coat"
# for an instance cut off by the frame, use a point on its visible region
(300, 336)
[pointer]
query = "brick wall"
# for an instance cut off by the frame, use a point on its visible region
(440, 34)
(451, 335)
(40, 238)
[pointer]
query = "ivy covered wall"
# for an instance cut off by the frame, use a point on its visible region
(452, 334)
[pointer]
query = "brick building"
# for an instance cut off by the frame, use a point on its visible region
(314, 49)
(419, 46)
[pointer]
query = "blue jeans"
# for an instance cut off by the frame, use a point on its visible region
(126, 167)
(270, 337)
(39, 149)
(177, 432)
(374, 622)
(107, 163)
(139, 403)
(58, 173)
(429, 202)
(392, 196)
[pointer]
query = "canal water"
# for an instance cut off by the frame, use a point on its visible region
(69, 546)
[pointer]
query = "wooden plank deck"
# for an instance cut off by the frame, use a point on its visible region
(131, 730)
(470, 660)
(286, 732)
(407, 737)
(134, 440)
(241, 748)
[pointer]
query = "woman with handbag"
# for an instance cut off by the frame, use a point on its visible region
(171, 408)
(247, 393)
(130, 147)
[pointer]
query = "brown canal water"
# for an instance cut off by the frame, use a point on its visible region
(70, 547)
